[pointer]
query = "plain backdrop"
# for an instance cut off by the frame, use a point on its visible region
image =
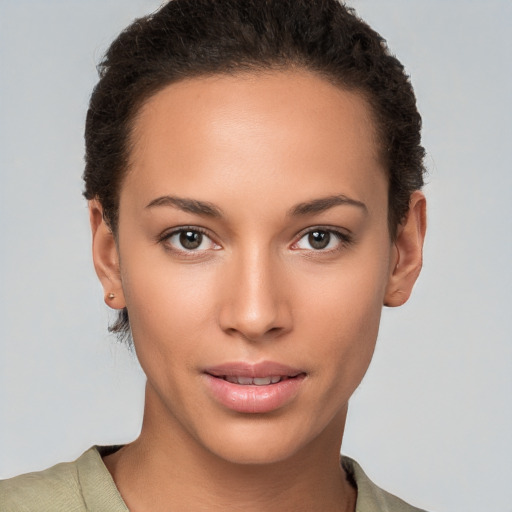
(432, 421)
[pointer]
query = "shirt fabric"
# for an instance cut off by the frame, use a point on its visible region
(86, 485)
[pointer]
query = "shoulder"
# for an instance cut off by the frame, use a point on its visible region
(78, 486)
(56, 488)
(370, 497)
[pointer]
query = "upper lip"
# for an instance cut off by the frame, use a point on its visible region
(254, 370)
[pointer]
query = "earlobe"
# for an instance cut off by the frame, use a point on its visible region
(105, 257)
(407, 263)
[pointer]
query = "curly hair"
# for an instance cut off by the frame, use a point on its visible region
(191, 38)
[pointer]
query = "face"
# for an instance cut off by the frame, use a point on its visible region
(254, 260)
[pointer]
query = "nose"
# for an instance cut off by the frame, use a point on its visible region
(255, 303)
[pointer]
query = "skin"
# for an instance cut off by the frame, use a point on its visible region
(256, 289)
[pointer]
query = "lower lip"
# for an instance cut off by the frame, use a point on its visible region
(254, 399)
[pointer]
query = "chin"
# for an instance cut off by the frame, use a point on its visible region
(258, 441)
(248, 452)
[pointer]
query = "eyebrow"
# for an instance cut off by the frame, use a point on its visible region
(187, 205)
(324, 203)
(210, 210)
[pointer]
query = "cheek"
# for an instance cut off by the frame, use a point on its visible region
(346, 328)
(342, 316)
(170, 307)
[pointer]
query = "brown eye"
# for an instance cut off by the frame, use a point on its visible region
(322, 240)
(319, 239)
(190, 239)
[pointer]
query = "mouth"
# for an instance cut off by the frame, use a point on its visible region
(264, 373)
(255, 381)
(254, 388)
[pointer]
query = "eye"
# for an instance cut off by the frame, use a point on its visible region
(321, 240)
(189, 240)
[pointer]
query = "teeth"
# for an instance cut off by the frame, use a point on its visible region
(256, 381)
(262, 381)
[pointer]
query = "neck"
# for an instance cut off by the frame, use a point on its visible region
(167, 469)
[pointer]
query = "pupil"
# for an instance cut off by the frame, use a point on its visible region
(190, 239)
(319, 239)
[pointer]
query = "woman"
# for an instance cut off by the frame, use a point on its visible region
(253, 171)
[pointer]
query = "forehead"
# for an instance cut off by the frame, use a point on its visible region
(252, 132)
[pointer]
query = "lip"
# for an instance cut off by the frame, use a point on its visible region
(253, 399)
(254, 370)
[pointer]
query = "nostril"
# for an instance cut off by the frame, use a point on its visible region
(254, 313)
(255, 335)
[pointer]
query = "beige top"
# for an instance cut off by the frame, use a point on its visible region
(85, 485)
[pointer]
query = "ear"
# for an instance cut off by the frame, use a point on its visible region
(105, 257)
(408, 252)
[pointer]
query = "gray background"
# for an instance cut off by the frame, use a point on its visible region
(432, 421)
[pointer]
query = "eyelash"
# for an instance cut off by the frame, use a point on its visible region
(189, 253)
(345, 239)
